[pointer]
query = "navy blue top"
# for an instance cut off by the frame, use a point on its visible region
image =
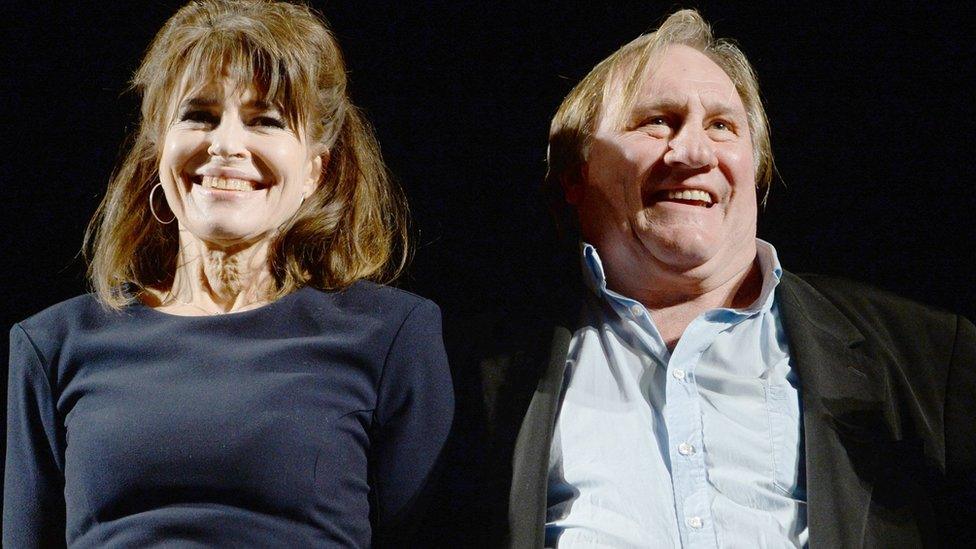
(312, 421)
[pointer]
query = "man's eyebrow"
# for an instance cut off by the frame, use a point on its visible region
(659, 104)
(723, 108)
(667, 104)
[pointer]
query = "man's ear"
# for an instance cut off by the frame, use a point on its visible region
(319, 163)
(573, 186)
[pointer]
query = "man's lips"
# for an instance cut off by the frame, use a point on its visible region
(693, 197)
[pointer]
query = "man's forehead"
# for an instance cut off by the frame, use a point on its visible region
(680, 71)
(669, 78)
(710, 94)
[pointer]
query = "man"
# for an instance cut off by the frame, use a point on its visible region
(705, 397)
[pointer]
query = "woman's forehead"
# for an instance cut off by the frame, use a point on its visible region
(219, 89)
(220, 81)
(208, 90)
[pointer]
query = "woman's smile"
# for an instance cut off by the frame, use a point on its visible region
(231, 172)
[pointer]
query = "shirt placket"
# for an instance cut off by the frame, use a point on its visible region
(683, 415)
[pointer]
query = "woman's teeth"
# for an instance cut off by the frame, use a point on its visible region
(227, 183)
(694, 194)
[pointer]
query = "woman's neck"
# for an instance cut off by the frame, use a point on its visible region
(215, 279)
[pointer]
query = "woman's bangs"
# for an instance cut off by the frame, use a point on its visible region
(235, 57)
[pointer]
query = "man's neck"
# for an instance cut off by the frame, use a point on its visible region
(672, 319)
(674, 300)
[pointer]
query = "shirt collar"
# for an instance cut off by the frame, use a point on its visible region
(594, 276)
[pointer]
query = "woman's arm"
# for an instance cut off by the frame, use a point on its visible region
(412, 420)
(33, 483)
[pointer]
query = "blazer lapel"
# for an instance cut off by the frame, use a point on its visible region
(842, 394)
(530, 464)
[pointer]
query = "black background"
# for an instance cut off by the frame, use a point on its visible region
(871, 110)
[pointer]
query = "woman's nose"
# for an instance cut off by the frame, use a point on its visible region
(227, 139)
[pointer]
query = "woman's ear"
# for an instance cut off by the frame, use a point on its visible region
(319, 162)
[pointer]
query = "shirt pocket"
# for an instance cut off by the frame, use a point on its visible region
(786, 436)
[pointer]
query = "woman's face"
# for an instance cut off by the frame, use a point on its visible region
(231, 167)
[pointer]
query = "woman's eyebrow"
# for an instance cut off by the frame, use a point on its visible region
(261, 105)
(208, 101)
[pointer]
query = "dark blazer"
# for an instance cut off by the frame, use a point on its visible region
(887, 386)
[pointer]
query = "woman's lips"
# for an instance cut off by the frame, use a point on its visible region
(226, 183)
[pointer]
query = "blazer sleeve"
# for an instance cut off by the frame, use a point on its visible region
(33, 484)
(415, 408)
(959, 502)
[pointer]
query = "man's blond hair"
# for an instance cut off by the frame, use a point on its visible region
(616, 81)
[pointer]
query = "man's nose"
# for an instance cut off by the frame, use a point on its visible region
(691, 148)
(227, 139)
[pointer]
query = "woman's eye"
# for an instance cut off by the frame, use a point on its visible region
(268, 121)
(203, 117)
(721, 125)
(656, 121)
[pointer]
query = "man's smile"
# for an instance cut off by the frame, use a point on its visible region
(691, 197)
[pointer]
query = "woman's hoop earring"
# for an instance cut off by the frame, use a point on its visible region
(152, 209)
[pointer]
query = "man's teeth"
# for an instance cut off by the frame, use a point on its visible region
(227, 183)
(694, 194)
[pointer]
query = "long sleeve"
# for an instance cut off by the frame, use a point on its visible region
(957, 509)
(33, 490)
(413, 417)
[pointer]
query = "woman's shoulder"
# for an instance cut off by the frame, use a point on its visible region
(365, 317)
(79, 309)
(49, 329)
(370, 298)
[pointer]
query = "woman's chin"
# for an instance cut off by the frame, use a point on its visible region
(226, 234)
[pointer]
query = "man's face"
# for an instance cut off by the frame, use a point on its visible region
(674, 189)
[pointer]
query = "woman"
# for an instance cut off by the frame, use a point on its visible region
(236, 379)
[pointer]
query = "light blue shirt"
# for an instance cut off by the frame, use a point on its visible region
(699, 447)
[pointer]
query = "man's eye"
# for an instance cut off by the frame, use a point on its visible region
(721, 125)
(656, 124)
(202, 117)
(268, 121)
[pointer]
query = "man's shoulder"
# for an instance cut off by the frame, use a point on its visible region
(881, 316)
(860, 301)
(507, 332)
(506, 352)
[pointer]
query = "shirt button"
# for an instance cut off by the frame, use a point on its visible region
(694, 522)
(678, 374)
(686, 449)
(636, 310)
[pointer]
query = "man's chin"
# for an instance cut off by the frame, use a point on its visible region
(681, 255)
(700, 259)
(686, 263)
